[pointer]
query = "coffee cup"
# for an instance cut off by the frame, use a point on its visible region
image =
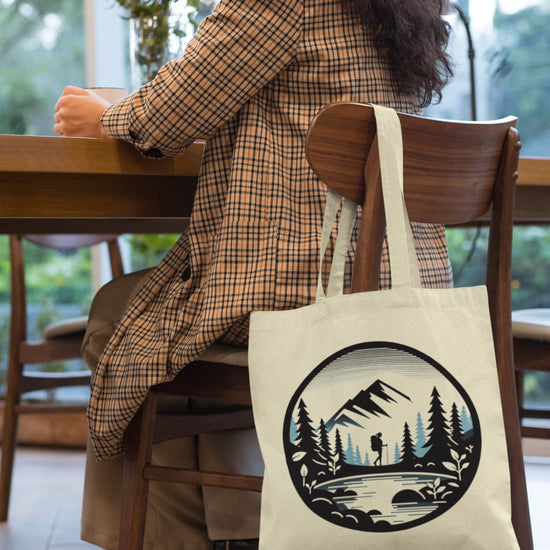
(109, 94)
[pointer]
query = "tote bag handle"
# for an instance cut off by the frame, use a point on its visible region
(402, 254)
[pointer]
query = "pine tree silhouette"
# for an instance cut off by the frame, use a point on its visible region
(338, 450)
(396, 454)
(465, 420)
(357, 460)
(456, 427)
(307, 440)
(324, 443)
(366, 462)
(292, 431)
(349, 455)
(420, 436)
(438, 440)
(408, 458)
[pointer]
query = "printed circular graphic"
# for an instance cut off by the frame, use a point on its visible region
(380, 437)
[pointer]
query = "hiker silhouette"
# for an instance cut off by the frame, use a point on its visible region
(377, 445)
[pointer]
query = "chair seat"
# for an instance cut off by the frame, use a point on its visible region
(531, 324)
(66, 327)
(223, 353)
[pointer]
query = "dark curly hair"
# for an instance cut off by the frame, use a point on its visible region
(414, 37)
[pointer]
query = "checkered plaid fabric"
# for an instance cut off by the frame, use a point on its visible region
(250, 82)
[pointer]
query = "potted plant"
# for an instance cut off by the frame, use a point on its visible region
(151, 29)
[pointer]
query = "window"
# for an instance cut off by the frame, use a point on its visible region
(512, 67)
(512, 76)
(42, 48)
(46, 45)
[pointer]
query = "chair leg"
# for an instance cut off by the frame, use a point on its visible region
(135, 488)
(9, 434)
(512, 422)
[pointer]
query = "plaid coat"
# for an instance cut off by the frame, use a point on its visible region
(250, 82)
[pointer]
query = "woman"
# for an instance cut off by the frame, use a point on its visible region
(250, 82)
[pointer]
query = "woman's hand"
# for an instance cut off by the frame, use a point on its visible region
(78, 113)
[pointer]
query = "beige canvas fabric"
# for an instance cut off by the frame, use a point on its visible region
(378, 413)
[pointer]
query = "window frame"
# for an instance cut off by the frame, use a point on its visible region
(106, 44)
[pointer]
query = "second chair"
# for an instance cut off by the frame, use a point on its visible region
(60, 341)
(531, 329)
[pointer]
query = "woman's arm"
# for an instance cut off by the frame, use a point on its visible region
(242, 46)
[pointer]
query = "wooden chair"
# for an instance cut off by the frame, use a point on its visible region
(61, 341)
(531, 330)
(454, 173)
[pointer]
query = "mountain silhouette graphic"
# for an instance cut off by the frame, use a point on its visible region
(367, 403)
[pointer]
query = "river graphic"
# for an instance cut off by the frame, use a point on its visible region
(378, 491)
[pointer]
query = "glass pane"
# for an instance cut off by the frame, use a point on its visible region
(511, 77)
(512, 67)
(42, 45)
(58, 288)
(537, 390)
(536, 387)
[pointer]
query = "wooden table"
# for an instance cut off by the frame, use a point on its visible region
(53, 184)
(60, 185)
(533, 192)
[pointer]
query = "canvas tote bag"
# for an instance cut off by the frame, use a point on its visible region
(378, 413)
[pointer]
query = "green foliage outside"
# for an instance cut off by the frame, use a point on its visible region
(530, 262)
(521, 74)
(148, 250)
(520, 85)
(530, 279)
(4, 342)
(59, 278)
(52, 277)
(42, 48)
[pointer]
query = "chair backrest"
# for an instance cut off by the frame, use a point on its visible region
(68, 241)
(454, 172)
(57, 242)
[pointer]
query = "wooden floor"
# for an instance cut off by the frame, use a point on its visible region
(45, 511)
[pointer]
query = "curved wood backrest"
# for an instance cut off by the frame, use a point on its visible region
(454, 172)
(449, 167)
(69, 241)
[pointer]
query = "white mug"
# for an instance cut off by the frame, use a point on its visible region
(109, 94)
